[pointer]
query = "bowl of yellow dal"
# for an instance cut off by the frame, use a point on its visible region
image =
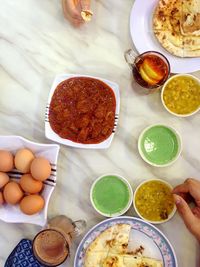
(153, 201)
(181, 95)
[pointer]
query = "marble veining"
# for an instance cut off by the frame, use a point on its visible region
(36, 43)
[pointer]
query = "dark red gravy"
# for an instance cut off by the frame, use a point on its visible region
(83, 110)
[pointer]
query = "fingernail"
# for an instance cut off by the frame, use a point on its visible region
(177, 199)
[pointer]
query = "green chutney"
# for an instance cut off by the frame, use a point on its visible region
(159, 145)
(110, 195)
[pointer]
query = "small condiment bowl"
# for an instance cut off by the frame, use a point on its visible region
(179, 143)
(130, 191)
(162, 95)
(138, 213)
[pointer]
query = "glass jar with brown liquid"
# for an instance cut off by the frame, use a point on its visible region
(51, 246)
(150, 69)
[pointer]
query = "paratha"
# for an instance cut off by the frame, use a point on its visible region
(95, 259)
(176, 24)
(191, 18)
(130, 261)
(86, 15)
(112, 240)
(110, 249)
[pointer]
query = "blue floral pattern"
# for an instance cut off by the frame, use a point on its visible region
(22, 256)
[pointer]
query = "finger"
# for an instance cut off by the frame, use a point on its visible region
(67, 6)
(182, 188)
(76, 22)
(187, 197)
(85, 4)
(196, 211)
(183, 195)
(70, 10)
(188, 180)
(185, 212)
(194, 189)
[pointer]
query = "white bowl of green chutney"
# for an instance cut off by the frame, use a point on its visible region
(111, 195)
(159, 145)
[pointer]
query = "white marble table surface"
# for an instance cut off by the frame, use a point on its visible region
(36, 43)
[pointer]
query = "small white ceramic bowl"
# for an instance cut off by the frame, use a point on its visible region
(12, 213)
(50, 134)
(130, 195)
(179, 146)
(138, 213)
(162, 93)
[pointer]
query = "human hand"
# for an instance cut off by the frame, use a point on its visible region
(187, 192)
(72, 10)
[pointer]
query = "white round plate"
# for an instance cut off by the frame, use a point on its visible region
(144, 39)
(155, 244)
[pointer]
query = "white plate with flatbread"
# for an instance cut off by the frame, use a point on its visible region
(141, 27)
(125, 242)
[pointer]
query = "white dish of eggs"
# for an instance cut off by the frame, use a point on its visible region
(27, 179)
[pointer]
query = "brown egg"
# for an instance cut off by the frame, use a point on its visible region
(6, 161)
(29, 184)
(32, 204)
(4, 179)
(40, 169)
(23, 159)
(1, 199)
(12, 193)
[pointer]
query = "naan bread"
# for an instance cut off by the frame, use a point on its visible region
(93, 259)
(136, 261)
(109, 249)
(130, 261)
(87, 15)
(120, 237)
(113, 261)
(191, 18)
(176, 24)
(112, 240)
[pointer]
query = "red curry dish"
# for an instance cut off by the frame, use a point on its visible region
(83, 110)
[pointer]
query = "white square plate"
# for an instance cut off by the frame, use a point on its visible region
(12, 214)
(50, 134)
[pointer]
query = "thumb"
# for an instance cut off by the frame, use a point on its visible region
(185, 212)
(85, 4)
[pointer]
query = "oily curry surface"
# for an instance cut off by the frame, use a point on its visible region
(82, 110)
(154, 201)
(182, 95)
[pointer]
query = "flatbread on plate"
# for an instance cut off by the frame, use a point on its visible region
(112, 240)
(110, 249)
(120, 237)
(130, 261)
(176, 24)
(95, 259)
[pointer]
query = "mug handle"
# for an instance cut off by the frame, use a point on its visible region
(76, 229)
(79, 227)
(130, 55)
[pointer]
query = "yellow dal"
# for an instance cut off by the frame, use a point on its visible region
(182, 95)
(154, 201)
